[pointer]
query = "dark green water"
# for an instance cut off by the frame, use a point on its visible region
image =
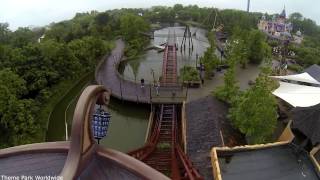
(127, 128)
(56, 128)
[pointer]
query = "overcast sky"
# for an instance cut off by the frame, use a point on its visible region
(41, 12)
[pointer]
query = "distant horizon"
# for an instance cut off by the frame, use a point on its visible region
(39, 13)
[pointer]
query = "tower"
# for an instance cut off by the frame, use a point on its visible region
(283, 14)
(248, 6)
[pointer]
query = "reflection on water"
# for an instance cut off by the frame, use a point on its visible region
(152, 60)
(128, 126)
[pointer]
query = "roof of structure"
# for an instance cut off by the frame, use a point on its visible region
(307, 121)
(277, 162)
(32, 164)
(283, 13)
(103, 168)
(303, 77)
(314, 71)
(298, 95)
(300, 90)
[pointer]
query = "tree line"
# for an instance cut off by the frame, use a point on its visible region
(33, 62)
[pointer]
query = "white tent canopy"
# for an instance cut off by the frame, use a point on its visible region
(298, 95)
(303, 77)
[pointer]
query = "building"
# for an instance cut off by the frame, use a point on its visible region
(296, 155)
(278, 27)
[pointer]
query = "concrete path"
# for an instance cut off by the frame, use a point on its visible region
(109, 76)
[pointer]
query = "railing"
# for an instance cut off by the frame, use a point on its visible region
(83, 143)
(122, 79)
(168, 94)
(150, 146)
(164, 64)
(174, 165)
(191, 172)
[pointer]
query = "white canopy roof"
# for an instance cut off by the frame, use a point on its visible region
(303, 77)
(298, 95)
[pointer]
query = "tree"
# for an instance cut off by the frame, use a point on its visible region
(189, 73)
(131, 25)
(102, 19)
(17, 122)
(22, 121)
(256, 46)
(14, 84)
(88, 50)
(4, 32)
(59, 55)
(22, 36)
(255, 112)
(177, 7)
(238, 47)
(209, 59)
(296, 16)
(229, 91)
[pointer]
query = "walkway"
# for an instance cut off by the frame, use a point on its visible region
(122, 89)
(126, 90)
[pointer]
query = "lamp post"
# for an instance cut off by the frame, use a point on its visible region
(154, 80)
(100, 124)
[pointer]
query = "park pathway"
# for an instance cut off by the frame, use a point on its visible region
(122, 89)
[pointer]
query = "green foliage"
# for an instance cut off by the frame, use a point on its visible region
(23, 36)
(89, 49)
(308, 53)
(4, 33)
(274, 43)
(255, 112)
(307, 26)
(295, 67)
(229, 91)
(236, 18)
(189, 73)
(30, 72)
(257, 45)
(209, 59)
(238, 47)
(130, 27)
(163, 146)
(17, 115)
(12, 82)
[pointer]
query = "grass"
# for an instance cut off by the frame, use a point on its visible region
(164, 146)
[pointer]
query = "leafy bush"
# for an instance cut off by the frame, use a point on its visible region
(229, 91)
(255, 112)
(295, 67)
(189, 73)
